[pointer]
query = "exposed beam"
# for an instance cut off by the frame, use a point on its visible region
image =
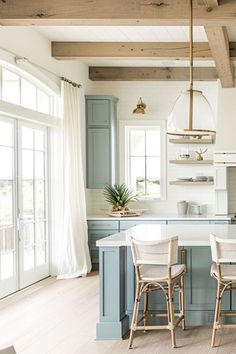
(109, 73)
(212, 3)
(144, 50)
(219, 44)
(148, 50)
(208, 3)
(113, 12)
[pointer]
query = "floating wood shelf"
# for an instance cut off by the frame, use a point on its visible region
(182, 183)
(192, 162)
(191, 141)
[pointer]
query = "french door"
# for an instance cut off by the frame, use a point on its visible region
(24, 245)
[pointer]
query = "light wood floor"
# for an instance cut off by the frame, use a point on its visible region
(59, 317)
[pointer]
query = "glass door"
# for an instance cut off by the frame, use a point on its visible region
(23, 205)
(8, 232)
(32, 196)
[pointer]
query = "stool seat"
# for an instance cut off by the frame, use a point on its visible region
(159, 273)
(228, 271)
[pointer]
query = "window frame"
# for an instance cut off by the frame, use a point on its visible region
(124, 128)
(39, 86)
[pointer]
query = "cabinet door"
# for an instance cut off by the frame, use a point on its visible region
(98, 112)
(103, 224)
(93, 236)
(98, 158)
(187, 222)
(127, 224)
(220, 222)
(200, 287)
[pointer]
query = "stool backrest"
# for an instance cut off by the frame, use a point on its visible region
(222, 250)
(164, 252)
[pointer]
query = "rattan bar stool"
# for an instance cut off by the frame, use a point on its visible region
(156, 268)
(223, 253)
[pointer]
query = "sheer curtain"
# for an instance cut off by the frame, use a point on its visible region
(74, 260)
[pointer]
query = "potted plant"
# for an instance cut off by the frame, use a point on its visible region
(119, 196)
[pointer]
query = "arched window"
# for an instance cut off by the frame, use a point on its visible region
(21, 88)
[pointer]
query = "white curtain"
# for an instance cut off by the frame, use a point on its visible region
(74, 260)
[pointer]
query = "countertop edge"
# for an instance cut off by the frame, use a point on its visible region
(160, 218)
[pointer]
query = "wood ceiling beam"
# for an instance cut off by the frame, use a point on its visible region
(113, 12)
(220, 49)
(208, 3)
(110, 73)
(144, 50)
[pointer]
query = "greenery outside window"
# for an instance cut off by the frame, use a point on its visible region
(144, 156)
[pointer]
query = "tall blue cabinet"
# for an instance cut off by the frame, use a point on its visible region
(101, 144)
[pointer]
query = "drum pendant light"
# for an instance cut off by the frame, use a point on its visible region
(192, 114)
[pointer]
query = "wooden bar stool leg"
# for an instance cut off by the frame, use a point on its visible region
(182, 300)
(145, 308)
(135, 315)
(168, 308)
(172, 316)
(216, 316)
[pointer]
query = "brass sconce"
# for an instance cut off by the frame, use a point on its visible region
(140, 109)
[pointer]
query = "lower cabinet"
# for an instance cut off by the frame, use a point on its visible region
(127, 224)
(200, 287)
(96, 231)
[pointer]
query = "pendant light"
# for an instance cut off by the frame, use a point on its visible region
(192, 114)
(140, 109)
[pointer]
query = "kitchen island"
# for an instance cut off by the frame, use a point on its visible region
(117, 278)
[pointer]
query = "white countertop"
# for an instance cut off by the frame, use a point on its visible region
(146, 216)
(189, 235)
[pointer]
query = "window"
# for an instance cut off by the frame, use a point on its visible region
(22, 91)
(143, 158)
(24, 202)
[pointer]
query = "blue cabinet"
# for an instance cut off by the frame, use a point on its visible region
(187, 222)
(200, 287)
(98, 157)
(96, 231)
(98, 111)
(101, 154)
(127, 224)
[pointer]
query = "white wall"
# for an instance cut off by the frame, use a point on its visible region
(159, 97)
(226, 123)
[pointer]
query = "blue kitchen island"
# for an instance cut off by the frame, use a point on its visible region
(117, 277)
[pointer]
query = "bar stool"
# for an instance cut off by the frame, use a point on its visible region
(156, 268)
(223, 253)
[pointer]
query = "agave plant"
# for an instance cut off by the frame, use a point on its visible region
(118, 196)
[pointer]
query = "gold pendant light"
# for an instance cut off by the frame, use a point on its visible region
(140, 109)
(192, 114)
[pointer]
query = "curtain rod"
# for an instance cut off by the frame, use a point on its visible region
(19, 58)
(71, 82)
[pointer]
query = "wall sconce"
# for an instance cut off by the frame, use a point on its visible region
(140, 109)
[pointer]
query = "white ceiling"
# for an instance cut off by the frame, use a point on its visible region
(137, 62)
(121, 33)
(126, 33)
